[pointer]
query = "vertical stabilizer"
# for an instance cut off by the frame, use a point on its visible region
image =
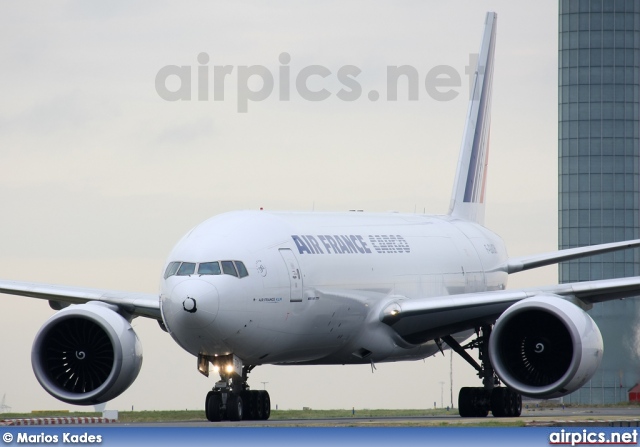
(467, 200)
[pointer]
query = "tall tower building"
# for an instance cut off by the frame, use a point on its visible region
(599, 167)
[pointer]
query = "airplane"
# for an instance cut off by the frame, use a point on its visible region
(250, 288)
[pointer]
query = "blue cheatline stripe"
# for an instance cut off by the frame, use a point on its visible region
(285, 437)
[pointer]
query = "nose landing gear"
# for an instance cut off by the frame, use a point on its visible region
(231, 399)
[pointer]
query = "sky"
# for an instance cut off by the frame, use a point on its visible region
(101, 174)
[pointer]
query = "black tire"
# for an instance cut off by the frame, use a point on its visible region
(234, 407)
(505, 403)
(515, 404)
(206, 406)
(213, 407)
(481, 403)
(500, 402)
(249, 405)
(465, 402)
(266, 405)
(259, 405)
(473, 402)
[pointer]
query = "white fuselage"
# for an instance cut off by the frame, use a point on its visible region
(318, 282)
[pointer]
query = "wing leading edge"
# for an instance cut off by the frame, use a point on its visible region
(514, 265)
(136, 304)
(423, 319)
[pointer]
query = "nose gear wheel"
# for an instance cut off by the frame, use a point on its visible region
(231, 399)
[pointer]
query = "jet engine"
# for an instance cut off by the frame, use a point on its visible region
(86, 354)
(545, 347)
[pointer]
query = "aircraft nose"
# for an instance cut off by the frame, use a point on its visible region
(193, 303)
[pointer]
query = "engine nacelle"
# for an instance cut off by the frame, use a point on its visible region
(86, 354)
(545, 347)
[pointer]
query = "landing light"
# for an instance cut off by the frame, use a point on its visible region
(229, 368)
(392, 310)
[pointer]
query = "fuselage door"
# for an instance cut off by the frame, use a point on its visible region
(295, 277)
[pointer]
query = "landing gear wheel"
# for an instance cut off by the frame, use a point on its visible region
(266, 405)
(516, 404)
(234, 407)
(482, 404)
(258, 401)
(249, 405)
(505, 403)
(213, 407)
(500, 404)
(465, 404)
(257, 405)
(472, 402)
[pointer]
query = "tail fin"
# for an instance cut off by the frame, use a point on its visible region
(467, 200)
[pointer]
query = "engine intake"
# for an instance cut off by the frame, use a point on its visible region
(86, 354)
(545, 347)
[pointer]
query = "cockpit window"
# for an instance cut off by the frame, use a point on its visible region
(242, 270)
(186, 268)
(209, 268)
(228, 268)
(172, 268)
(233, 268)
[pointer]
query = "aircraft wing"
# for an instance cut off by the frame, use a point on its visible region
(519, 264)
(422, 319)
(137, 304)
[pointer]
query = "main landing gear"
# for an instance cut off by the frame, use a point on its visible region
(478, 401)
(231, 397)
